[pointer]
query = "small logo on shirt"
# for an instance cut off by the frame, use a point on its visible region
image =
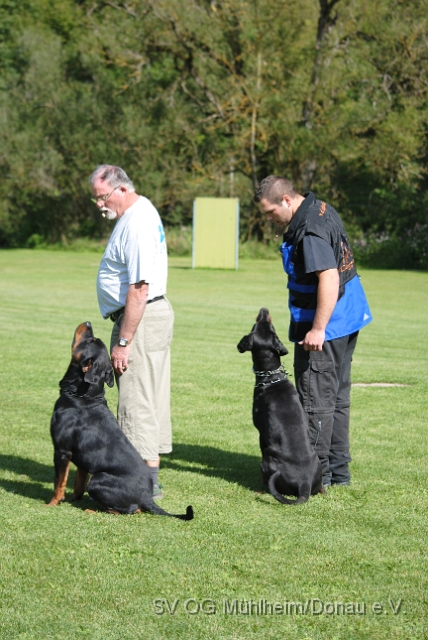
(161, 233)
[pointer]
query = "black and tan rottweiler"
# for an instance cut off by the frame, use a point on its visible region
(289, 465)
(84, 431)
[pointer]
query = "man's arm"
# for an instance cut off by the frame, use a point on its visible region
(136, 301)
(328, 292)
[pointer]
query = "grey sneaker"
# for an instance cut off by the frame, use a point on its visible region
(157, 492)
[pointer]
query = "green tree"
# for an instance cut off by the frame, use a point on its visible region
(206, 97)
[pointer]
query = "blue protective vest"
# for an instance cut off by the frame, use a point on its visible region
(350, 314)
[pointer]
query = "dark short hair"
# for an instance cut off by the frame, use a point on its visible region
(273, 188)
(113, 175)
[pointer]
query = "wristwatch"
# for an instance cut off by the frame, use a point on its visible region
(123, 342)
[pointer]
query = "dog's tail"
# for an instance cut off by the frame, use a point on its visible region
(303, 497)
(158, 511)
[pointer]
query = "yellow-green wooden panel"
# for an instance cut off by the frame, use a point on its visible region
(215, 233)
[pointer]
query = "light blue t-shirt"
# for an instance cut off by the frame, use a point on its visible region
(135, 252)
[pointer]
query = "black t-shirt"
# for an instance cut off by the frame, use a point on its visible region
(318, 255)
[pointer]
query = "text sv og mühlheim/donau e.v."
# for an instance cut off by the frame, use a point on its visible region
(263, 607)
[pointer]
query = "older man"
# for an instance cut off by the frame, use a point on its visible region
(327, 307)
(131, 288)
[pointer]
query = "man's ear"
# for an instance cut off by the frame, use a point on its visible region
(246, 344)
(286, 200)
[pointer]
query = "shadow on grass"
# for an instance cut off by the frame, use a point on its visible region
(30, 478)
(232, 466)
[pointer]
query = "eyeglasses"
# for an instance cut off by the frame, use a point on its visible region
(103, 198)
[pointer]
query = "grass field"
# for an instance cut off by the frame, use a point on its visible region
(347, 565)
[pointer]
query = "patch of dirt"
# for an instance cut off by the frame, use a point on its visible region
(379, 384)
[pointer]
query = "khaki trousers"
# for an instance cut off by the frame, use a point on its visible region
(143, 410)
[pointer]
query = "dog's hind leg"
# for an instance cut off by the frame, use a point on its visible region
(62, 467)
(79, 484)
(304, 491)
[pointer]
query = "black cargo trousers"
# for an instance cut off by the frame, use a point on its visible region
(323, 381)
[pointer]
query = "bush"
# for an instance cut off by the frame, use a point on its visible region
(380, 251)
(36, 241)
(392, 252)
(179, 240)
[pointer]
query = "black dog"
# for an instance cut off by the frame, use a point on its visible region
(289, 466)
(84, 431)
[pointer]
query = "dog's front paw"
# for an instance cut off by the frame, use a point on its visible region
(54, 502)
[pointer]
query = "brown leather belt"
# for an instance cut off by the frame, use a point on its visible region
(116, 314)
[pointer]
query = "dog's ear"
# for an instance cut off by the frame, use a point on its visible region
(109, 377)
(90, 370)
(280, 347)
(277, 344)
(246, 344)
(98, 368)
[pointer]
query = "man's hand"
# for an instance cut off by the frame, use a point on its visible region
(119, 358)
(328, 292)
(136, 300)
(313, 340)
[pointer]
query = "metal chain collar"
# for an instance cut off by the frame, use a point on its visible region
(265, 374)
(270, 373)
